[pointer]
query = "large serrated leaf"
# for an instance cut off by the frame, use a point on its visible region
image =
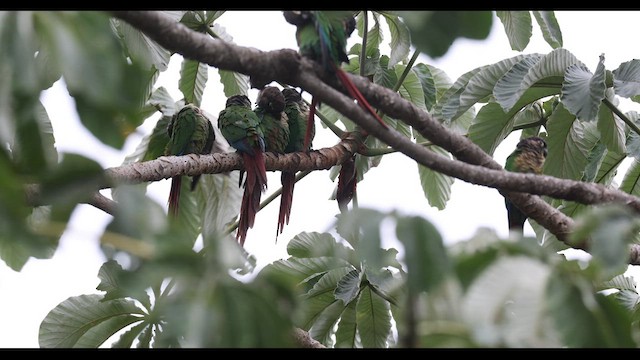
(348, 287)
(449, 103)
(608, 168)
(508, 88)
(304, 269)
(142, 49)
(347, 328)
(373, 318)
(434, 83)
(626, 79)
(425, 254)
(400, 38)
(323, 324)
(193, 78)
(612, 130)
(631, 180)
(233, 83)
(411, 88)
(314, 244)
(72, 319)
(505, 304)
(481, 85)
(219, 197)
(567, 158)
(517, 26)
(435, 185)
(550, 28)
(582, 92)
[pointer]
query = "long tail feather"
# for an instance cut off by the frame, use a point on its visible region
(254, 185)
(347, 181)
(356, 94)
(312, 115)
(288, 180)
(174, 195)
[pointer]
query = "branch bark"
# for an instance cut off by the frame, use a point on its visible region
(287, 66)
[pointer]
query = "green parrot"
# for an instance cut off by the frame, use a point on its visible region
(322, 37)
(297, 112)
(240, 126)
(528, 157)
(190, 132)
(269, 109)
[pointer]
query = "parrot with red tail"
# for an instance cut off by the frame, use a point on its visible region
(240, 126)
(297, 112)
(322, 36)
(190, 132)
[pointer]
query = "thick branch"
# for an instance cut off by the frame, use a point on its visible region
(287, 66)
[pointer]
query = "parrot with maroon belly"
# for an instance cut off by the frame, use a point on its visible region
(190, 132)
(240, 126)
(322, 36)
(528, 157)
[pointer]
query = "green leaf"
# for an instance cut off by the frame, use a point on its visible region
(626, 79)
(141, 48)
(126, 339)
(586, 319)
(193, 78)
(620, 282)
(373, 318)
(433, 32)
(609, 230)
(361, 228)
(612, 129)
(608, 167)
(550, 28)
(411, 88)
(434, 83)
(517, 26)
(400, 38)
(233, 83)
(508, 88)
(506, 305)
(314, 244)
(582, 92)
(631, 180)
(348, 287)
(305, 269)
(481, 85)
(567, 152)
(347, 327)
(425, 254)
(73, 321)
(435, 185)
(449, 103)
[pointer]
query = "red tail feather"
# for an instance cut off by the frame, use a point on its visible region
(255, 183)
(174, 195)
(288, 180)
(356, 94)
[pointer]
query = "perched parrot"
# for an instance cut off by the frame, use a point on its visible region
(297, 112)
(269, 109)
(528, 157)
(347, 181)
(322, 36)
(241, 128)
(190, 132)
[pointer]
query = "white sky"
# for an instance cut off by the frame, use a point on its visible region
(27, 296)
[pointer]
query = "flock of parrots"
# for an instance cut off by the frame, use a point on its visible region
(282, 122)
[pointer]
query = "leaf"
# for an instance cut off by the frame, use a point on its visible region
(141, 48)
(481, 85)
(449, 103)
(70, 321)
(612, 130)
(631, 180)
(314, 244)
(304, 269)
(361, 228)
(425, 254)
(193, 78)
(507, 89)
(373, 319)
(506, 304)
(626, 79)
(126, 339)
(586, 319)
(435, 185)
(348, 287)
(608, 168)
(567, 156)
(411, 88)
(550, 28)
(322, 328)
(583, 92)
(347, 327)
(517, 26)
(218, 197)
(233, 83)
(400, 38)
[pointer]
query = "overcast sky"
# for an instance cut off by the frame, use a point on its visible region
(26, 297)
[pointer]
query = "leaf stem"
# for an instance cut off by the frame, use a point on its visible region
(622, 116)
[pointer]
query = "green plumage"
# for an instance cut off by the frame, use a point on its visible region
(528, 157)
(190, 132)
(241, 127)
(297, 112)
(273, 121)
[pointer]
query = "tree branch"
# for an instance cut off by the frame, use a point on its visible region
(287, 66)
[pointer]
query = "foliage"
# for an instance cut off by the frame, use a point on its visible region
(348, 287)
